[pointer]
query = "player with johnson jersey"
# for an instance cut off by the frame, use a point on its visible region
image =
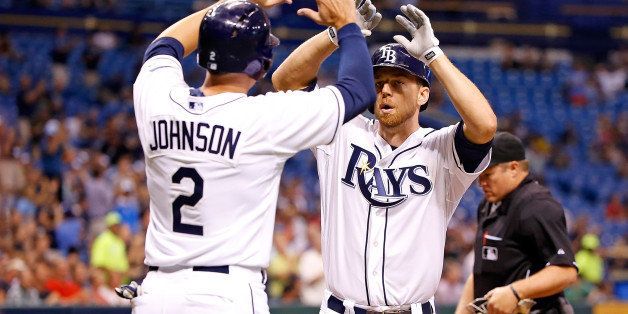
(389, 186)
(200, 150)
(214, 155)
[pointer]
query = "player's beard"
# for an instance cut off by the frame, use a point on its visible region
(400, 115)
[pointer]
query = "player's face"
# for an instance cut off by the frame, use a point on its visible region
(496, 182)
(399, 96)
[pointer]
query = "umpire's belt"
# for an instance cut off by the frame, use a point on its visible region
(336, 305)
(210, 269)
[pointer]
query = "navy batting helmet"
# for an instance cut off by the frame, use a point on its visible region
(396, 56)
(235, 37)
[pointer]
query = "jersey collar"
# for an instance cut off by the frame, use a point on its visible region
(386, 150)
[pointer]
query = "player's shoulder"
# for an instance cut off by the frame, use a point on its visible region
(161, 62)
(437, 135)
(361, 122)
(360, 126)
(160, 70)
(356, 129)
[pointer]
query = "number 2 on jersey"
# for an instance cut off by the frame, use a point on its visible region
(177, 225)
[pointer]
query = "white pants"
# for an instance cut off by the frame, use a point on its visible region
(185, 291)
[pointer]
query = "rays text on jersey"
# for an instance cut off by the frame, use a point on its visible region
(194, 136)
(384, 187)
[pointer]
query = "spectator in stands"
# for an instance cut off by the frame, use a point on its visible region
(611, 78)
(28, 97)
(80, 275)
(282, 271)
(616, 210)
(137, 269)
(91, 58)
(7, 51)
(451, 285)
(4, 262)
(61, 284)
(48, 217)
(311, 268)
(52, 149)
(69, 232)
(100, 293)
(63, 46)
(537, 153)
(590, 263)
(6, 93)
(581, 88)
(530, 58)
(127, 205)
(510, 58)
(603, 292)
(22, 291)
(109, 249)
(97, 191)
(12, 177)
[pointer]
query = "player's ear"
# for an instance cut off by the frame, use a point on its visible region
(423, 96)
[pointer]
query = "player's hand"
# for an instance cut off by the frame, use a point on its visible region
(336, 13)
(368, 17)
(501, 300)
(129, 291)
(424, 45)
(271, 3)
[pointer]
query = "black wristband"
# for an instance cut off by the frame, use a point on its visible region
(514, 292)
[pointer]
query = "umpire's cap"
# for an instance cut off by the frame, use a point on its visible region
(235, 37)
(396, 56)
(506, 147)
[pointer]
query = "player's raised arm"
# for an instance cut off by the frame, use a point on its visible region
(302, 65)
(480, 122)
(355, 80)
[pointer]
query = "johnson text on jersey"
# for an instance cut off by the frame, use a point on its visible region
(194, 136)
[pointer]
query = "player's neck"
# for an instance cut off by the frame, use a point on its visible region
(227, 83)
(395, 136)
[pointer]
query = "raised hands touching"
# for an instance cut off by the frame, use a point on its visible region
(424, 45)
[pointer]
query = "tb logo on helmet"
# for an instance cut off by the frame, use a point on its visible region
(389, 55)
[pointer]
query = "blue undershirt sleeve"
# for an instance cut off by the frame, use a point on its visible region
(355, 73)
(164, 46)
(470, 154)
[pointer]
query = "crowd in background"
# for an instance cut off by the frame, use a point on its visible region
(74, 203)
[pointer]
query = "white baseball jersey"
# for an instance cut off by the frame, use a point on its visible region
(213, 164)
(385, 212)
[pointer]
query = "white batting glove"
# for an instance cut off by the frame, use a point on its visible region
(129, 291)
(424, 45)
(368, 18)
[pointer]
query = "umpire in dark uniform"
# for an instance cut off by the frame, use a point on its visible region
(522, 251)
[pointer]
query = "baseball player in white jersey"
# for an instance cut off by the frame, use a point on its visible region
(388, 186)
(214, 156)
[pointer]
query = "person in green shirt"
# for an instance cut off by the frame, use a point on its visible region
(109, 249)
(590, 262)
